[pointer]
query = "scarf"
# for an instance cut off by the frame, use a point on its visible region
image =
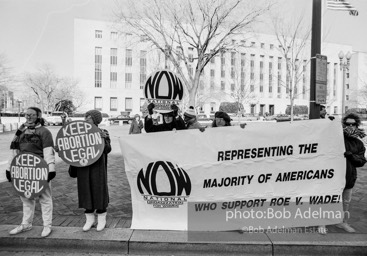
(15, 142)
(354, 132)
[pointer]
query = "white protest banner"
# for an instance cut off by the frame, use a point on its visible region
(29, 173)
(80, 143)
(266, 176)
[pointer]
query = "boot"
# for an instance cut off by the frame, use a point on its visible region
(101, 221)
(89, 222)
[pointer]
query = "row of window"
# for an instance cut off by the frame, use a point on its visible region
(114, 106)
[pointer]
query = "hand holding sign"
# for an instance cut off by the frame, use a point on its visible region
(29, 174)
(80, 143)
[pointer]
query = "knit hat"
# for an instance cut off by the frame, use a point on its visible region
(223, 115)
(190, 113)
(96, 116)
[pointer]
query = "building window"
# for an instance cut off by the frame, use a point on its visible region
(191, 54)
(262, 45)
(222, 85)
(253, 44)
(128, 104)
(347, 86)
(335, 110)
(128, 80)
(252, 87)
(113, 104)
(271, 47)
(98, 103)
(113, 79)
(212, 60)
(114, 35)
(222, 59)
(212, 73)
(232, 87)
(143, 68)
(191, 70)
(129, 57)
(113, 58)
(232, 72)
(98, 33)
(233, 58)
(98, 67)
(222, 73)
(346, 97)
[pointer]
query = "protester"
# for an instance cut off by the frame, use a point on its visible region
(136, 125)
(221, 119)
(92, 180)
(354, 154)
(33, 137)
(323, 113)
(190, 119)
(171, 120)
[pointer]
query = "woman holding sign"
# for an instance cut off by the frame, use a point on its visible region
(92, 180)
(33, 137)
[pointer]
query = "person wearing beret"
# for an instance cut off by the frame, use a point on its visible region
(221, 119)
(171, 120)
(92, 181)
(33, 137)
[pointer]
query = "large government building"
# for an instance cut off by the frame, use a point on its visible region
(112, 68)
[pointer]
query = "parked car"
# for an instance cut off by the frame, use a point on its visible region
(55, 118)
(282, 118)
(126, 119)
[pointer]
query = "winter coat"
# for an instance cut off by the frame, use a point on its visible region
(195, 125)
(136, 127)
(356, 159)
(177, 123)
(92, 181)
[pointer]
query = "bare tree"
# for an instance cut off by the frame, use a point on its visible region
(190, 33)
(293, 38)
(242, 89)
(48, 88)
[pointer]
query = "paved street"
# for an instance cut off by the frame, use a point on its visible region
(67, 213)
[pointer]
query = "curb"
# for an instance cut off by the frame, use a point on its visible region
(128, 241)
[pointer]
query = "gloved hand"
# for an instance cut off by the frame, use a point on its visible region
(348, 154)
(175, 110)
(150, 108)
(8, 176)
(51, 175)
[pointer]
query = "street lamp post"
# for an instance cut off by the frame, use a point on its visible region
(344, 66)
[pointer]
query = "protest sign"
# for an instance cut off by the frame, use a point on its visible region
(29, 173)
(266, 176)
(79, 143)
(163, 88)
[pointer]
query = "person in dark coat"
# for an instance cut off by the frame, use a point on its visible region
(221, 119)
(136, 125)
(354, 155)
(171, 120)
(92, 180)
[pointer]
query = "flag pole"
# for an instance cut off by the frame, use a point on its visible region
(315, 49)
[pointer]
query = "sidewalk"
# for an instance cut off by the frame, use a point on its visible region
(68, 220)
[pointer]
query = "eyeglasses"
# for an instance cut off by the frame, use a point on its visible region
(30, 115)
(350, 124)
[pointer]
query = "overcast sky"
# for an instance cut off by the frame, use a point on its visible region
(34, 32)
